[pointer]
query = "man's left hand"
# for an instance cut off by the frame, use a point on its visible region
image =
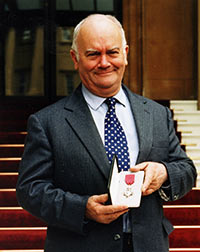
(155, 174)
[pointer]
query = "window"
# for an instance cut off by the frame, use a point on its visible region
(35, 40)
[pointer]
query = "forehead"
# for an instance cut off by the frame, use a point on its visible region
(99, 34)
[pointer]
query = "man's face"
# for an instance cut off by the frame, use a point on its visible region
(102, 59)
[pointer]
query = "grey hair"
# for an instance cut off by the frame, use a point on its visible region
(79, 25)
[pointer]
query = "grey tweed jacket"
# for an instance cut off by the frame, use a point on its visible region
(64, 163)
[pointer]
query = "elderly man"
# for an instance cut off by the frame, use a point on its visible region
(64, 171)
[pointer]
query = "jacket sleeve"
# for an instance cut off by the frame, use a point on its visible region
(181, 170)
(36, 190)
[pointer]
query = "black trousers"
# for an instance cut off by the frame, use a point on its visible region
(127, 243)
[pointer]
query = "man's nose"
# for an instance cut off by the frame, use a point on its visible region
(104, 63)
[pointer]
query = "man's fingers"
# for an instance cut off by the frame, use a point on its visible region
(98, 211)
(110, 209)
(114, 209)
(107, 209)
(148, 174)
(101, 198)
(147, 180)
(108, 218)
(155, 176)
(148, 192)
(139, 167)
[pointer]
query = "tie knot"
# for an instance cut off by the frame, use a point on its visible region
(111, 101)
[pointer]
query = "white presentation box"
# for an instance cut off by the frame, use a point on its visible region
(125, 187)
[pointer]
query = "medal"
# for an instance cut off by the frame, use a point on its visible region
(129, 180)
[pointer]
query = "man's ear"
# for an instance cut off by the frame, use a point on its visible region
(126, 54)
(74, 58)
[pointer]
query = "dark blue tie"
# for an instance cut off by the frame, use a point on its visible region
(115, 139)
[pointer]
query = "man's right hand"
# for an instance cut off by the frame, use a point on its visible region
(97, 210)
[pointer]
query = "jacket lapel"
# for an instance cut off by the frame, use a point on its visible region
(144, 124)
(80, 119)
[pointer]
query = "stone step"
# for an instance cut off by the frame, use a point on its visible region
(197, 164)
(186, 127)
(171, 250)
(40, 250)
(18, 217)
(193, 151)
(9, 164)
(190, 139)
(14, 114)
(183, 214)
(8, 198)
(191, 198)
(8, 180)
(198, 181)
(187, 116)
(183, 105)
(11, 150)
(22, 238)
(185, 237)
(17, 125)
(12, 137)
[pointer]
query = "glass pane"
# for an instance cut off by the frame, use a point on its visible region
(67, 78)
(80, 5)
(24, 62)
(8, 5)
(105, 5)
(62, 5)
(29, 5)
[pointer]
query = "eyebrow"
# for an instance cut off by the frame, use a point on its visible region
(109, 50)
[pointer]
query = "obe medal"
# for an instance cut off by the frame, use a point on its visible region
(129, 180)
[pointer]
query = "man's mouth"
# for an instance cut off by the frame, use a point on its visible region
(104, 73)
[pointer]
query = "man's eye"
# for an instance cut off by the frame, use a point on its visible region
(93, 54)
(113, 52)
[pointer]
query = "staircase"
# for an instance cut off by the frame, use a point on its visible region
(22, 232)
(19, 231)
(188, 123)
(185, 216)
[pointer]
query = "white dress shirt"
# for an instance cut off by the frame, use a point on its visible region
(124, 113)
(98, 110)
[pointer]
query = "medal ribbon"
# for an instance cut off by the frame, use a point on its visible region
(130, 179)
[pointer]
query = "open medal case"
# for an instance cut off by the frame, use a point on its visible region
(125, 187)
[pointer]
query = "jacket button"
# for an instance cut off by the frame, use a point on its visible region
(117, 237)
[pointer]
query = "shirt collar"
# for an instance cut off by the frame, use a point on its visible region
(95, 101)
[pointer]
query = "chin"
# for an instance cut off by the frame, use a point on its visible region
(107, 82)
(109, 90)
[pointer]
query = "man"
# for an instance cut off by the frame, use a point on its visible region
(64, 171)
